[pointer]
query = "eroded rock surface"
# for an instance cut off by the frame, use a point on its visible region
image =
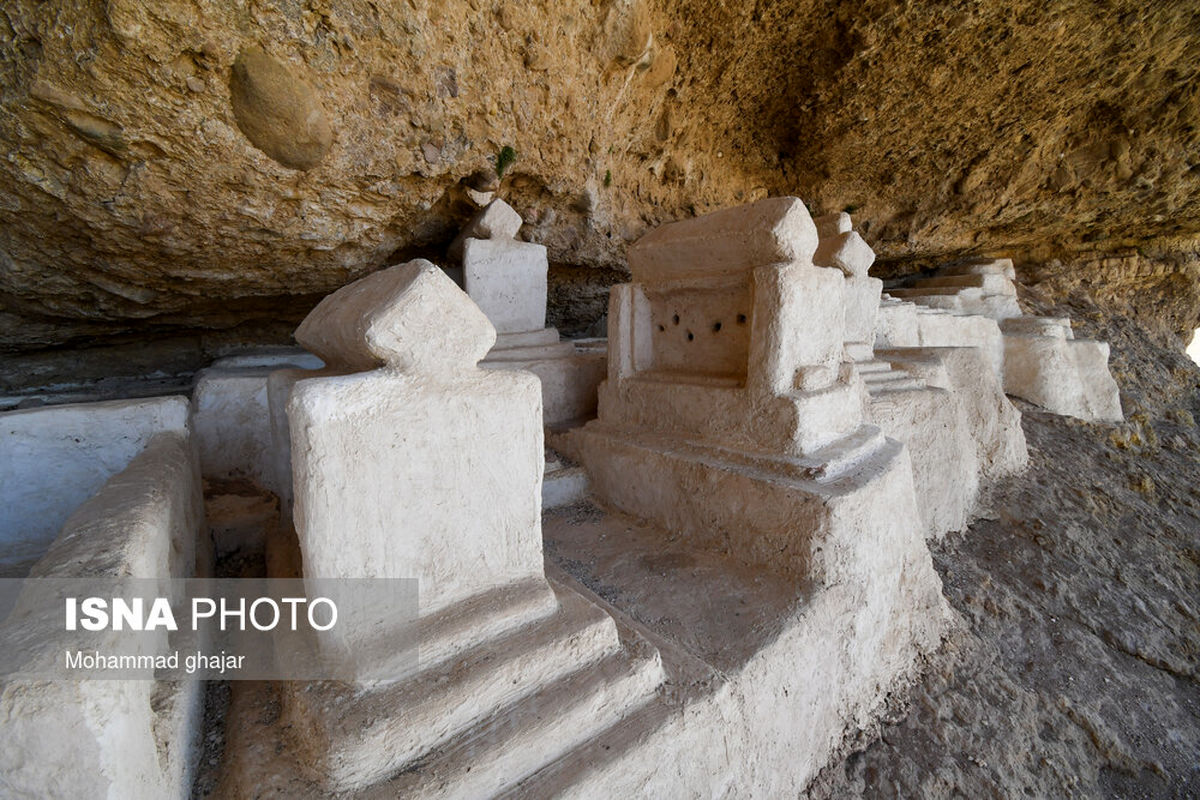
(152, 184)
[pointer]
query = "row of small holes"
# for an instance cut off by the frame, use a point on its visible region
(741, 320)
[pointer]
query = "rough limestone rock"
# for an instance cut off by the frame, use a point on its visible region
(132, 201)
(279, 112)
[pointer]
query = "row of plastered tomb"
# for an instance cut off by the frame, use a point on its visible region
(690, 562)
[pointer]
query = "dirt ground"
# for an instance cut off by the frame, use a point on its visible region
(1076, 669)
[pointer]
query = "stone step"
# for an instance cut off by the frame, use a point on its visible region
(988, 284)
(562, 776)
(880, 378)
(859, 351)
(496, 755)
(1057, 327)
(445, 634)
(846, 454)
(359, 736)
(902, 385)
(827, 463)
(999, 266)
(537, 338)
(917, 292)
(946, 303)
(870, 367)
(483, 618)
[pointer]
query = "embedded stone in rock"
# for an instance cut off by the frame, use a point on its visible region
(847, 252)
(498, 220)
(409, 316)
(508, 281)
(771, 231)
(279, 112)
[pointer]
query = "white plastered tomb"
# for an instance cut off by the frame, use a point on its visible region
(1037, 358)
(140, 516)
(410, 461)
(508, 280)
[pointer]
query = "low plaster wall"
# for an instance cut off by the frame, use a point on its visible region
(570, 386)
(231, 417)
(114, 739)
(54, 458)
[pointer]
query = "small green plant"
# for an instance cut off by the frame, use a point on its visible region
(505, 159)
(607, 178)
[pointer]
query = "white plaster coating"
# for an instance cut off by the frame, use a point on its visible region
(533, 338)
(770, 231)
(701, 329)
(780, 473)
(798, 321)
(542, 352)
(55, 457)
(862, 307)
(896, 323)
(497, 220)
(763, 464)
(1055, 327)
(114, 739)
(847, 252)
(830, 225)
(507, 279)
(993, 421)
(429, 469)
(279, 477)
(932, 423)
(436, 474)
(231, 422)
(405, 476)
(570, 384)
(941, 329)
(1036, 358)
(385, 318)
(1065, 376)
(273, 357)
(564, 486)
(429, 710)
(775, 729)
(982, 287)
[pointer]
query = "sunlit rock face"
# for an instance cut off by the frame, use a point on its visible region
(193, 165)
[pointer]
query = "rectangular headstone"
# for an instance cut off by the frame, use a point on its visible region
(507, 279)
